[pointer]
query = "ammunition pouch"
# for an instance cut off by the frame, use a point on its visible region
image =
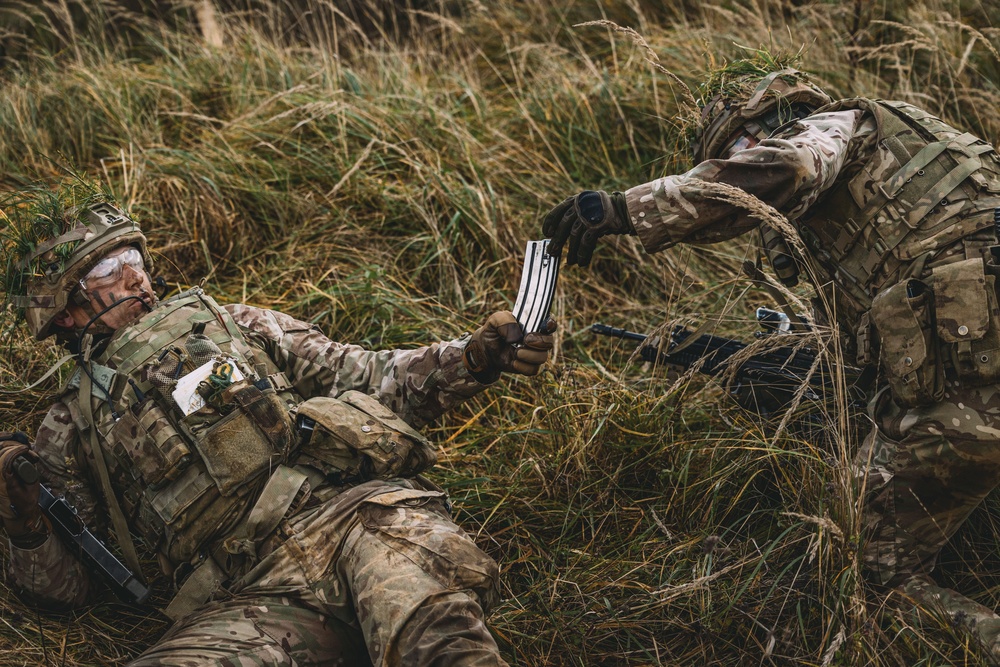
(968, 322)
(145, 436)
(948, 327)
(355, 438)
(903, 317)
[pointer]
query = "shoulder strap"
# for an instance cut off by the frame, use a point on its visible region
(277, 497)
(49, 373)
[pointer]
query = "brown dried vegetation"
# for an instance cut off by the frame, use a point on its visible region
(376, 167)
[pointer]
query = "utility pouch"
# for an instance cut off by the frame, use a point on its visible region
(190, 511)
(968, 320)
(145, 435)
(903, 317)
(254, 434)
(356, 438)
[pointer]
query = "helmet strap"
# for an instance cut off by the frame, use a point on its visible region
(763, 86)
(75, 234)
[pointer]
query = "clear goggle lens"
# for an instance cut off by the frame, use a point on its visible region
(109, 270)
(741, 141)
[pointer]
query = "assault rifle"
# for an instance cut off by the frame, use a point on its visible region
(765, 383)
(78, 537)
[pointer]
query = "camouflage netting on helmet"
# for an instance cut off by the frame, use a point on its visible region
(40, 270)
(729, 87)
(736, 80)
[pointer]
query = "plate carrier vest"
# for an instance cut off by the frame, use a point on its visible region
(184, 481)
(925, 187)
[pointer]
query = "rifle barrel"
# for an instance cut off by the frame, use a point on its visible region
(766, 382)
(605, 330)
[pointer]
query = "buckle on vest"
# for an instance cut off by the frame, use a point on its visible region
(276, 381)
(881, 188)
(306, 428)
(871, 260)
(846, 237)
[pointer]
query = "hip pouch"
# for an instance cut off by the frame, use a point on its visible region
(903, 317)
(356, 438)
(968, 321)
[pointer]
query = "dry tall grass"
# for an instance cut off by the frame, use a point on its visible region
(376, 167)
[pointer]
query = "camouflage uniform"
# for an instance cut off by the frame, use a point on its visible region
(356, 572)
(884, 235)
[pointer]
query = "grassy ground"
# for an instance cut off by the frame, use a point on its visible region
(376, 167)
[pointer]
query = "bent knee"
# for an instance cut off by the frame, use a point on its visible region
(417, 526)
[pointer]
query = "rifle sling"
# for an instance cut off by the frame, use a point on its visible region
(117, 516)
(49, 373)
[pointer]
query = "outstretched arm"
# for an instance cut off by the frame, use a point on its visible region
(419, 384)
(789, 171)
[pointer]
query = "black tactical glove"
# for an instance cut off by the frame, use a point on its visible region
(19, 509)
(493, 348)
(583, 219)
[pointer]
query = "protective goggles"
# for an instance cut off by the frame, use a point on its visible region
(754, 131)
(109, 270)
(738, 142)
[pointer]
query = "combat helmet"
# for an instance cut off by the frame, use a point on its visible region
(755, 104)
(55, 270)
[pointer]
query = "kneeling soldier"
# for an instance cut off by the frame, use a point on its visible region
(896, 214)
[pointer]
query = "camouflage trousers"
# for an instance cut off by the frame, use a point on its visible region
(376, 575)
(927, 469)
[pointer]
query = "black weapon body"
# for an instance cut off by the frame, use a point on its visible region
(766, 382)
(71, 529)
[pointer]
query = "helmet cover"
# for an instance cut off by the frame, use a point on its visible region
(755, 103)
(48, 255)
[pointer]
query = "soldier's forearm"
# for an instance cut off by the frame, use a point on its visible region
(446, 387)
(418, 384)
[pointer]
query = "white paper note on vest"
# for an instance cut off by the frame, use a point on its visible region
(186, 391)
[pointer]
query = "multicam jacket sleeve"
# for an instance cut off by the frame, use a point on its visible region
(419, 384)
(789, 170)
(50, 575)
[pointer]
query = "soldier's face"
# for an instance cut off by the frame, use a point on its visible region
(111, 284)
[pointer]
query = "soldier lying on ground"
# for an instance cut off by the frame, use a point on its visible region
(895, 211)
(282, 494)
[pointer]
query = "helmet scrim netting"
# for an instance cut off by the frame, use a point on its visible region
(50, 239)
(756, 95)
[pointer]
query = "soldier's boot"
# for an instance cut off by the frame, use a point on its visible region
(980, 621)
